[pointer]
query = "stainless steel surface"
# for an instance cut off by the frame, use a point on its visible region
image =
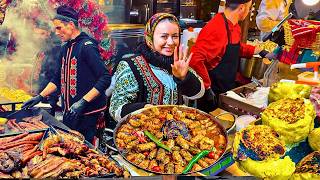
(184, 107)
(271, 74)
(254, 67)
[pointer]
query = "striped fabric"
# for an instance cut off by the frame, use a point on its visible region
(304, 32)
(304, 28)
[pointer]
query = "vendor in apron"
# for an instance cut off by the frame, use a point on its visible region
(217, 51)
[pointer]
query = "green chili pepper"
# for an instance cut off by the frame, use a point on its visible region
(157, 141)
(194, 160)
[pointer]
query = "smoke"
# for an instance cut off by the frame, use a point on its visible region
(22, 29)
(24, 62)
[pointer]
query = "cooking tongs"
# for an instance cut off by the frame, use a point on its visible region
(276, 28)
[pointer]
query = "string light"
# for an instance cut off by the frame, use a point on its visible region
(310, 2)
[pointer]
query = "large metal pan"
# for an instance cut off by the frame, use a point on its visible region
(224, 133)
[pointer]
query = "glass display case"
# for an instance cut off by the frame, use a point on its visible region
(168, 6)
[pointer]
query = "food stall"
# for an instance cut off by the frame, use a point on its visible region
(265, 129)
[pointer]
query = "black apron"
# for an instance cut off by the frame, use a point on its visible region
(223, 76)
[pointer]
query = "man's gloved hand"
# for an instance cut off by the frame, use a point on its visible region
(210, 96)
(32, 102)
(267, 54)
(76, 110)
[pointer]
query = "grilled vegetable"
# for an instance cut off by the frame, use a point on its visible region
(194, 160)
(157, 141)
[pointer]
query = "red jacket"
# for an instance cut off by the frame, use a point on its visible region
(211, 45)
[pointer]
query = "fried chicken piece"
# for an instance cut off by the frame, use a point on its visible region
(170, 143)
(203, 163)
(153, 154)
(146, 146)
(134, 123)
(197, 138)
(152, 164)
(131, 144)
(186, 155)
(176, 148)
(177, 158)
(206, 143)
(139, 158)
(161, 154)
(144, 164)
(178, 168)
(196, 167)
(169, 168)
(194, 125)
(209, 160)
(182, 142)
(166, 159)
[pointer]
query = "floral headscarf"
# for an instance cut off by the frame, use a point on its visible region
(152, 24)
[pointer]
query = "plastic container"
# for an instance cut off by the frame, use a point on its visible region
(243, 121)
(189, 37)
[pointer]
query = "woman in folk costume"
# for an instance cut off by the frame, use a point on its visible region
(158, 73)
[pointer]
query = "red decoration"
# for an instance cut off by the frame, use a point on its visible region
(73, 72)
(91, 19)
(73, 82)
(73, 92)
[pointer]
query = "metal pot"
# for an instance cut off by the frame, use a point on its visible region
(122, 152)
(254, 67)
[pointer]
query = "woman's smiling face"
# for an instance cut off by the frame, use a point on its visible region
(166, 37)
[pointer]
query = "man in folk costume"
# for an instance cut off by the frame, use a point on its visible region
(82, 78)
(217, 51)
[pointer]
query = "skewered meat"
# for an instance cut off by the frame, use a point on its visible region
(17, 175)
(11, 139)
(6, 163)
(176, 148)
(33, 118)
(16, 143)
(5, 176)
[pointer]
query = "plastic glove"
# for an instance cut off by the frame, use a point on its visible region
(32, 102)
(210, 96)
(76, 110)
(267, 54)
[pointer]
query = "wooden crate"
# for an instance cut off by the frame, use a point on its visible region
(238, 107)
